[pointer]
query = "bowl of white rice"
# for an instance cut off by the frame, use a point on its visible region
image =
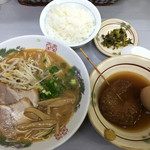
(74, 22)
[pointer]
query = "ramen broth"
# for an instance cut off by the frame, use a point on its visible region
(138, 83)
(62, 112)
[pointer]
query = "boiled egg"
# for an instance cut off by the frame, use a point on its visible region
(145, 97)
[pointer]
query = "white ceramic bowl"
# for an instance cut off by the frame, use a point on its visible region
(85, 3)
(42, 42)
(139, 140)
(136, 50)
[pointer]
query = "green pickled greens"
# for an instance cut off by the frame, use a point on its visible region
(116, 38)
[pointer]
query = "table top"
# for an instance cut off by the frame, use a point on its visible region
(18, 20)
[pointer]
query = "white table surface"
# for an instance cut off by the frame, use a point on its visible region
(17, 20)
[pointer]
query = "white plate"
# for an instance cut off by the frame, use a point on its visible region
(137, 50)
(109, 25)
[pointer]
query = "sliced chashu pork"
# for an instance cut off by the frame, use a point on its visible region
(12, 115)
(9, 95)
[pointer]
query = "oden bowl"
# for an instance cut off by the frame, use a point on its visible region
(136, 140)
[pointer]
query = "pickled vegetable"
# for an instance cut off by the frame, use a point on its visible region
(116, 38)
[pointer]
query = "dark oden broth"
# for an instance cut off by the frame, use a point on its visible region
(138, 82)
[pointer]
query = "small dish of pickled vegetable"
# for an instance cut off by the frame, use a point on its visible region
(114, 35)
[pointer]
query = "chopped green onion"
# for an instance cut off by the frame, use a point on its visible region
(63, 65)
(53, 69)
(45, 70)
(73, 82)
(51, 88)
(39, 77)
(47, 134)
(44, 60)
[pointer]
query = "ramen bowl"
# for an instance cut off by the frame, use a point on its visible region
(72, 29)
(41, 42)
(133, 139)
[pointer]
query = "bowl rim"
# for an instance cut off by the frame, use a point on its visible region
(84, 113)
(90, 6)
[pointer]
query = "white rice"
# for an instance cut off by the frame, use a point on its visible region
(70, 23)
